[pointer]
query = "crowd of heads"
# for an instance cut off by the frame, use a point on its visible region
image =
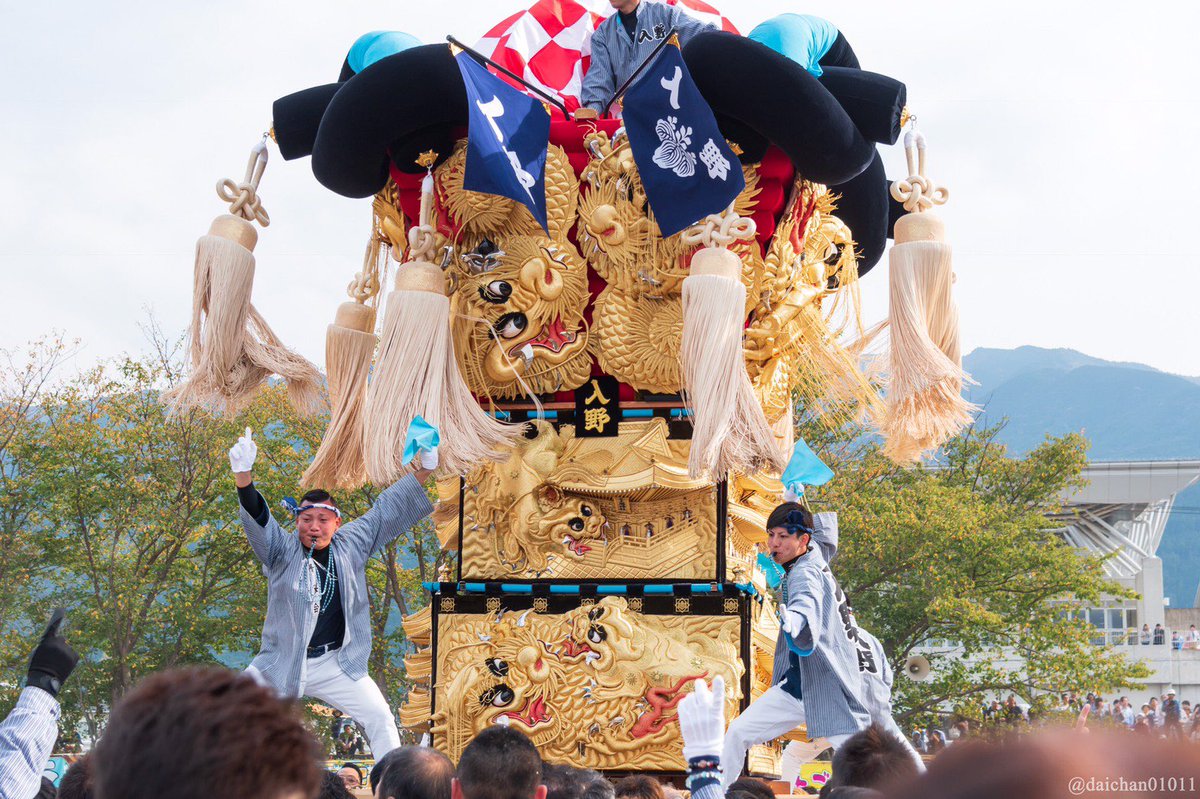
(209, 732)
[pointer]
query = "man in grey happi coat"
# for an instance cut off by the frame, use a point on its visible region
(625, 40)
(317, 636)
(817, 680)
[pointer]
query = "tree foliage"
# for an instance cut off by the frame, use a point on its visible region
(958, 561)
(126, 515)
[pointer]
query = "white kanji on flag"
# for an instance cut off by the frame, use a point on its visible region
(673, 153)
(718, 164)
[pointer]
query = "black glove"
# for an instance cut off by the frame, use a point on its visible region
(53, 660)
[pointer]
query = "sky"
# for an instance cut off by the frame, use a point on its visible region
(1062, 129)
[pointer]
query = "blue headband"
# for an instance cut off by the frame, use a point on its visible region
(794, 524)
(295, 509)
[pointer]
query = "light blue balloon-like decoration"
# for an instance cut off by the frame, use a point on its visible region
(801, 37)
(376, 45)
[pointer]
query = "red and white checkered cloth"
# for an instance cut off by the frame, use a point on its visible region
(550, 44)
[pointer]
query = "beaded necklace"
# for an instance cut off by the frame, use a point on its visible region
(325, 587)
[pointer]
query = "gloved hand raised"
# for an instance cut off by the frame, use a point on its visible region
(702, 720)
(53, 659)
(428, 458)
(243, 453)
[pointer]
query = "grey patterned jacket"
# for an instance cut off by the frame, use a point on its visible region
(615, 55)
(825, 656)
(291, 614)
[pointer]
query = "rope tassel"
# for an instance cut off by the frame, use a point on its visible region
(233, 349)
(730, 432)
(416, 373)
(924, 401)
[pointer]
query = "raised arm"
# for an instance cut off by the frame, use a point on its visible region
(27, 736)
(395, 510)
(265, 535)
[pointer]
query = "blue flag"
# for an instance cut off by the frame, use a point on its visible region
(687, 168)
(507, 137)
(805, 468)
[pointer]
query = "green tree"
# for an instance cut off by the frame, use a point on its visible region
(126, 514)
(959, 561)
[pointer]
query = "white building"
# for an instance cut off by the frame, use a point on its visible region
(1123, 510)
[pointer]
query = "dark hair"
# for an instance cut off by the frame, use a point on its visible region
(77, 782)
(413, 772)
(793, 517)
(599, 788)
(203, 732)
(872, 758)
(318, 497)
(639, 786)
(332, 787)
(754, 787)
(568, 782)
(499, 763)
(46, 790)
(849, 792)
(356, 767)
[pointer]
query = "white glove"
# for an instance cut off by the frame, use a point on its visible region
(702, 720)
(428, 458)
(791, 622)
(243, 453)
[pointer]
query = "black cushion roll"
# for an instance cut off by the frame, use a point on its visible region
(747, 81)
(864, 206)
(296, 118)
(875, 102)
(419, 89)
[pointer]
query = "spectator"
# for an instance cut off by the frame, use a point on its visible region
(638, 787)
(873, 758)
(500, 763)
(352, 775)
(27, 735)
(203, 733)
(413, 772)
(1051, 766)
(599, 789)
(1127, 713)
(937, 741)
(1160, 635)
(77, 782)
(1172, 727)
(1013, 712)
(1141, 726)
(332, 787)
(751, 787)
(350, 743)
(568, 782)
(920, 740)
(1176, 640)
(1148, 716)
(1145, 634)
(1193, 638)
(1155, 716)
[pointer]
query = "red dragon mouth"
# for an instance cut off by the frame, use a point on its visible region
(533, 714)
(571, 648)
(576, 547)
(554, 337)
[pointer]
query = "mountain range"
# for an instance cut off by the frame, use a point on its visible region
(1128, 411)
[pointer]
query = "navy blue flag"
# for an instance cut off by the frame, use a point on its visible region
(507, 138)
(687, 168)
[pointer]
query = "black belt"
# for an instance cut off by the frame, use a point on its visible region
(323, 649)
